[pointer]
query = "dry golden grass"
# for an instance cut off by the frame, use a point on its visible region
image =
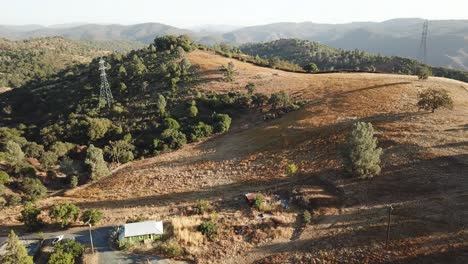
(185, 230)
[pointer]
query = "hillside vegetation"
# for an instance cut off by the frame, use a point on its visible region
(447, 40)
(285, 143)
(35, 59)
(304, 52)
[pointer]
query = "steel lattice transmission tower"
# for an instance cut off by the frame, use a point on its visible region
(423, 46)
(105, 94)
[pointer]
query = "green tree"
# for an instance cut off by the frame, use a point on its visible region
(70, 246)
(122, 87)
(61, 148)
(30, 217)
(222, 123)
(92, 216)
(14, 156)
(98, 127)
(48, 160)
(64, 214)
(137, 67)
(311, 67)
(60, 257)
(229, 72)
(161, 105)
(170, 123)
(192, 111)
(15, 252)
(432, 99)
(33, 189)
(95, 161)
(33, 150)
(174, 138)
(122, 73)
(362, 157)
(120, 151)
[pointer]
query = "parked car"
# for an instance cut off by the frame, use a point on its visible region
(57, 239)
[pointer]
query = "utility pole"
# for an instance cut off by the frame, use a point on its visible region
(91, 237)
(390, 209)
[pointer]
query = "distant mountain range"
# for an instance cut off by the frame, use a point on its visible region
(447, 41)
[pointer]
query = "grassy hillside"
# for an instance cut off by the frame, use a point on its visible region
(425, 156)
(305, 52)
(36, 59)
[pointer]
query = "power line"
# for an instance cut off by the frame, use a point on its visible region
(423, 46)
(105, 94)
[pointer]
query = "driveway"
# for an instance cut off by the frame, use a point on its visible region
(100, 241)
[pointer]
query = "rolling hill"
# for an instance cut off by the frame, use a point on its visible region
(425, 157)
(35, 59)
(447, 43)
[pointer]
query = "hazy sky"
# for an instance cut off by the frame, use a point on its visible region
(188, 13)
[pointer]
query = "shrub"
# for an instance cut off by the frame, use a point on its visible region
(64, 214)
(250, 87)
(280, 100)
(30, 217)
(202, 206)
(200, 130)
(13, 200)
(174, 138)
(33, 150)
(192, 111)
(74, 181)
(92, 216)
(291, 169)
(424, 72)
(33, 189)
(172, 249)
(208, 229)
(362, 157)
(432, 99)
(259, 201)
(306, 217)
(222, 123)
(4, 178)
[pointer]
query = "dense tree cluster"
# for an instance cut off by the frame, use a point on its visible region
(314, 57)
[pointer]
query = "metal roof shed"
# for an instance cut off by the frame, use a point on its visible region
(142, 229)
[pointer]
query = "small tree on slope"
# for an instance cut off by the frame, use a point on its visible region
(15, 252)
(362, 157)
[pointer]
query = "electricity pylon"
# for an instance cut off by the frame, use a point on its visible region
(423, 47)
(105, 94)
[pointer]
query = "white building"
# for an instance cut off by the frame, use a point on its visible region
(141, 229)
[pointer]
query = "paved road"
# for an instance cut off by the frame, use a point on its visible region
(100, 241)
